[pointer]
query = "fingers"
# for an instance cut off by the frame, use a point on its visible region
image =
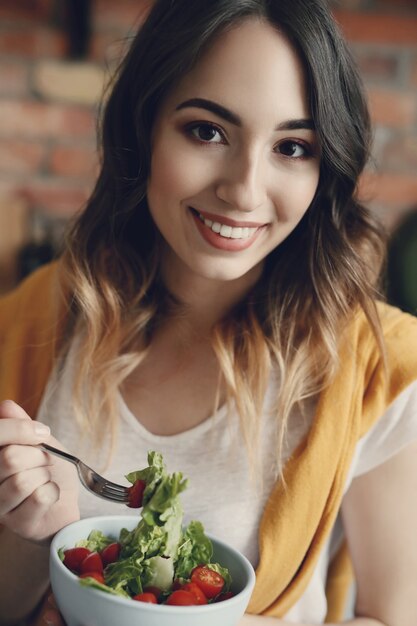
(49, 614)
(51, 617)
(16, 427)
(11, 409)
(17, 458)
(26, 490)
(27, 520)
(20, 486)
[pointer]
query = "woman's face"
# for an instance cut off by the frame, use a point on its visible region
(235, 159)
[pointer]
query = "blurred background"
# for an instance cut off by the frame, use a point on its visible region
(55, 58)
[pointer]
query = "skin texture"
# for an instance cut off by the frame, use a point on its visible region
(239, 174)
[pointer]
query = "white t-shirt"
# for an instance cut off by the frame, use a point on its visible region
(212, 456)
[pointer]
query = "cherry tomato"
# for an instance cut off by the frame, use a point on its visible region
(196, 591)
(92, 563)
(110, 553)
(224, 596)
(96, 575)
(209, 581)
(155, 590)
(146, 596)
(135, 495)
(74, 557)
(182, 598)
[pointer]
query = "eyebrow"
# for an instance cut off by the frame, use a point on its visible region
(229, 116)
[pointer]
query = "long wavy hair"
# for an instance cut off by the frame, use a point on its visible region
(312, 283)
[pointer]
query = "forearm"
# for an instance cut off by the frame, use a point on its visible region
(259, 620)
(24, 576)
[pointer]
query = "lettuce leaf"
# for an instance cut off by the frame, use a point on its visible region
(95, 542)
(195, 548)
(92, 582)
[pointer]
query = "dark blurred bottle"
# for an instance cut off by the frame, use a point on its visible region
(39, 248)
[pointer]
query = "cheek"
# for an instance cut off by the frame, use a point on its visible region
(176, 174)
(299, 193)
(164, 175)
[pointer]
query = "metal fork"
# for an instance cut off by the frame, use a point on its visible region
(98, 485)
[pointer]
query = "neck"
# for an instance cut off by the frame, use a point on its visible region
(206, 301)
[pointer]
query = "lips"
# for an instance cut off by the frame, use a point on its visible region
(227, 234)
(226, 227)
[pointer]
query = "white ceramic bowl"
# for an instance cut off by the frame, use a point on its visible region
(85, 606)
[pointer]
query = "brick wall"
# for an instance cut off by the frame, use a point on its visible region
(48, 107)
(383, 36)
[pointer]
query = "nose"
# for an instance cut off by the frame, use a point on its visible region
(242, 184)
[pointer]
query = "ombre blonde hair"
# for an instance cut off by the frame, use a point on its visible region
(311, 285)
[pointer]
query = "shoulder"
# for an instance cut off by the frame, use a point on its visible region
(377, 377)
(395, 324)
(394, 430)
(399, 333)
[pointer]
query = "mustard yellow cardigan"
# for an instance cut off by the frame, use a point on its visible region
(298, 518)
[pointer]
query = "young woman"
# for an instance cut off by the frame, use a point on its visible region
(217, 301)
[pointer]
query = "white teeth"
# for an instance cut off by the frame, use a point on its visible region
(229, 232)
(226, 231)
(236, 233)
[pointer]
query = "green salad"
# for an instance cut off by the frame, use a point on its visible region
(160, 560)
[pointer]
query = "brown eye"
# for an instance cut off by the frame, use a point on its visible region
(292, 149)
(206, 133)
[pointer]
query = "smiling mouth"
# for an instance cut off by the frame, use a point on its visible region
(225, 230)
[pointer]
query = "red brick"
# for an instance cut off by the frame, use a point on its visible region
(396, 4)
(108, 48)
(42, 120)
(400, 154)
(8, 187)
(378, 27)
(34, 42)
(389, 189)
(74, 161)
(350, 5)
(14, 78)
(377, 65)
(414, 73)
(54, 196)
(21, 157)
(123, 14)
(392, 108)
(26, 9)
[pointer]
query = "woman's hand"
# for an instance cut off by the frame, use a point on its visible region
(49, 614)
(38, 492)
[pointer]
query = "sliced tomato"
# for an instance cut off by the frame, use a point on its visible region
(92, 563)
(135, 495)
(110, 553)
(224, 596)
(182, 598)
(74, 557)
(146, 596)
(96, 575)
(196, 591)
(209, 581)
